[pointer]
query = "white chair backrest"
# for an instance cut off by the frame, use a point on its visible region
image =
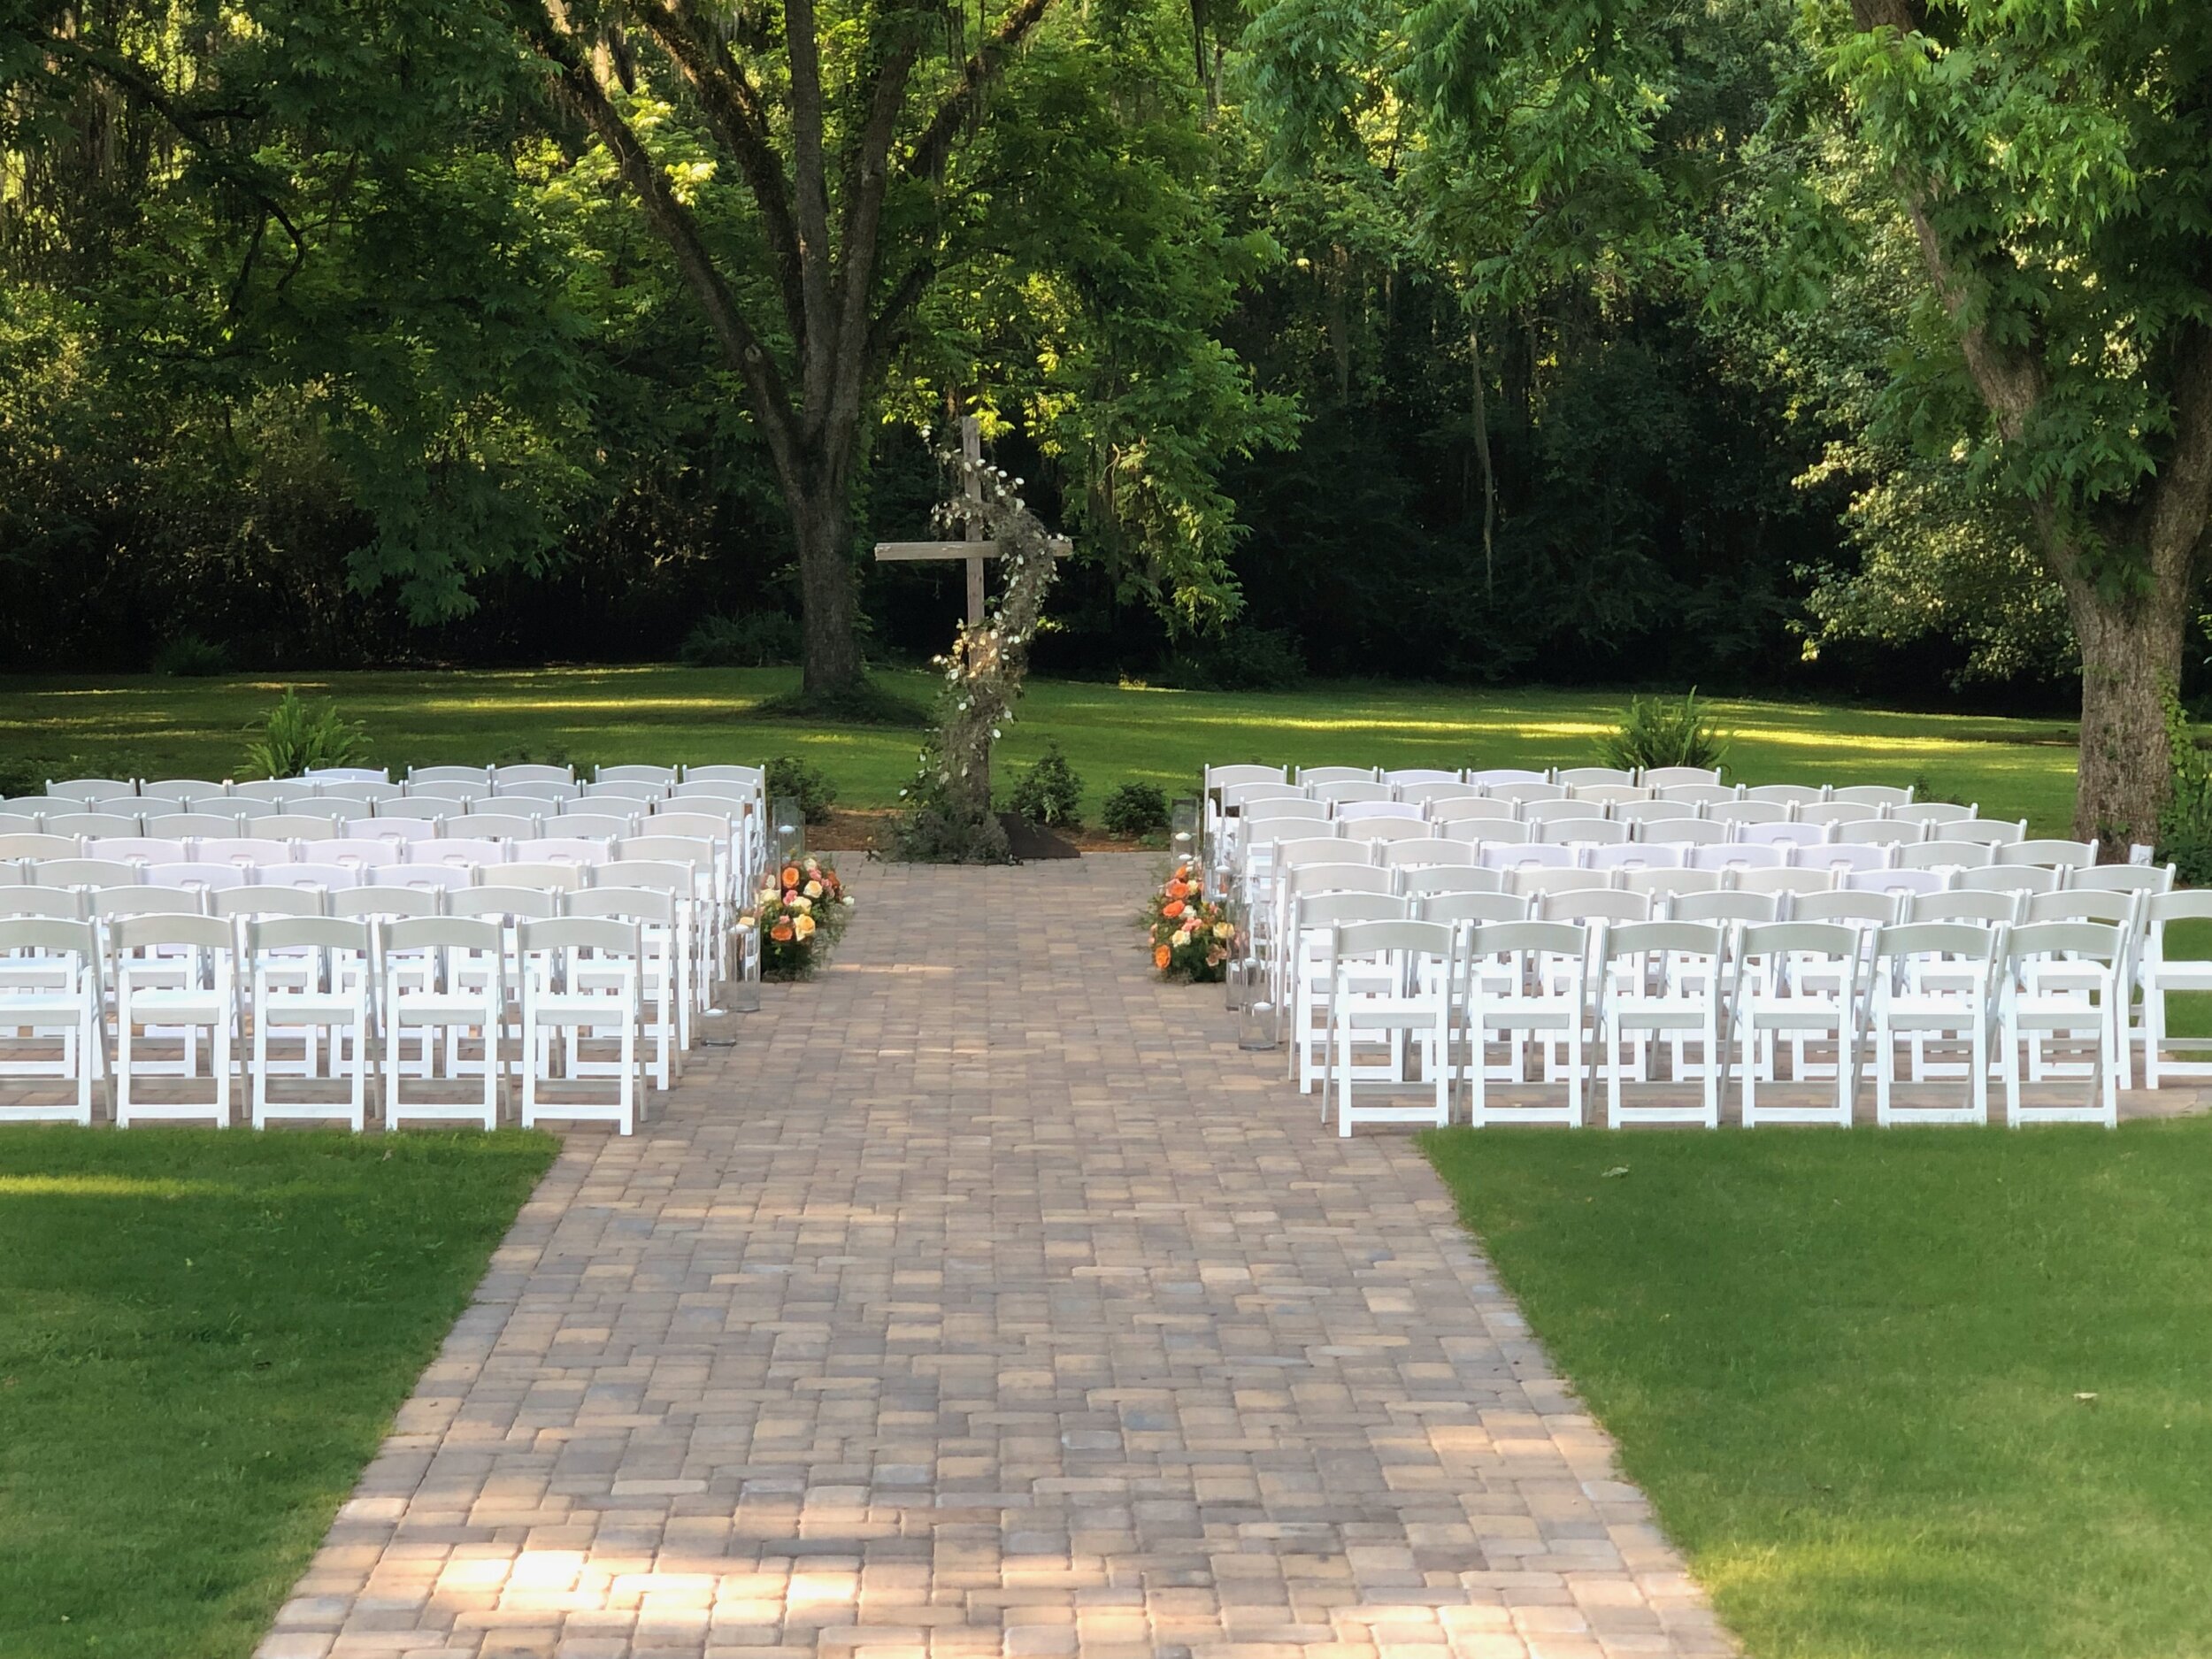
(1534, 856)
(1457, 908)
(1580, 777)
(61, 904)
(533, 772)
(1749, 810)
(1697, 794)
(1789, 879)
(91, 789)
(1683, 831)
(1385, 829)
(115, 902)
(1525, 792)
(263, 900)
(1353, 811)
(1478, 831)
(1409, 854)
(1540, 812)
(1243, 771)
(1863, 910)
(1987, 909)
(240, 850)
(381, 901)
(2072, 904)
(1653, 811)
(1437, 791)
(1584, 832)
(636, 772)
(550, 878)
(1305, 881)
(1989, 832)
(591, 826)
(2009, 879)
(1738, 854)
(84, 872)
(1750, 908)
(1606, 904)
(1429, 879)
(1785, 794)
(1836, 812)
(1311, 775)
(1344, 789)
(1881, 794)
(2057, 855)
(512, 903)
(152, 849)
(1677, 777)
(1945, 856)
(1530, 882)
(1635, 856)
(1666, 883)
(1929, 812)
(1490, 777)
(1879, 831)
(2109, 879)
(425, 808)
(94, 825)
(507, 827)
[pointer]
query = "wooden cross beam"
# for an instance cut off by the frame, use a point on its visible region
(977, 548)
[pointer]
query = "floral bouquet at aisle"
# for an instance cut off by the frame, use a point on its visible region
(1190, 931)
(800, 912)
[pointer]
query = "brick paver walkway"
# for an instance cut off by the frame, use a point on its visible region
(984, 1300)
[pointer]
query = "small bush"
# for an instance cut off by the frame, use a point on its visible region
(2185, 824)
(1050, 792)
(759, 639)
(296, 737)
(1243, 659)
(1135, 809)
(189, 657)
(810, 783)
(1658, 731)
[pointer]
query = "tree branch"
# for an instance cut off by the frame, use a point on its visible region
(982, 67)
(733, 109)
(867, 180)
(581, 89)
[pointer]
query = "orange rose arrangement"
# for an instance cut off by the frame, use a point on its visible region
(1190, 933)
(799, 910)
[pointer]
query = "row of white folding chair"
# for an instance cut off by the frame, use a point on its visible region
(1861, 851)
(1775, 805)
(1459, 990)
(1588, 821)
(1328, 893)
(408, 890)
(1656, 777)
(331, 985)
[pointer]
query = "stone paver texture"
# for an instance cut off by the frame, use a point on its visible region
(984, 1299)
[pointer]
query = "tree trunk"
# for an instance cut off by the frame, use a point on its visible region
(2131, 652)
(830, 609)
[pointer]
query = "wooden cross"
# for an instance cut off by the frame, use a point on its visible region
(977, 548)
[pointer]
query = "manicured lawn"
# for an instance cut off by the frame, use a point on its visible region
(203, 1337)
(2014, 768)
(1897, 1394)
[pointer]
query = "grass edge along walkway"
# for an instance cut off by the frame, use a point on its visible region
(1896, 1395)
(203, 1338)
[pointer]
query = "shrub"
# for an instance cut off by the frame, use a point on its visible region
(189, 657)
(1050, 792)
(1658, 731)
(1243, 659)
(296, 736)
(2185, 824)
(759, 639)
(1135, 809)
(810, 783)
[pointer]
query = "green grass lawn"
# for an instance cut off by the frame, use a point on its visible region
(203, 1337)
(1850, 1370)
(2014, 768)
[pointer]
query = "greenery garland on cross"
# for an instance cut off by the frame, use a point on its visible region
(947, 817)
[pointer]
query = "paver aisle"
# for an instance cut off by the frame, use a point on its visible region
(985, 1299)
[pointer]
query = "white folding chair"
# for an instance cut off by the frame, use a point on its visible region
(1897, 883)
(1422, 776)
(1391, 980)
(1837, 856)
(1309, 776)
(1791, 834)
(173, 974)
(1653, 811)
(1804, 981)
(1698, 794)
(1747, 910)
(1785, 883)
(1934, 980)
(528, 772)
(85, 872)
(443, 983)
(1663, 885)
(1584, 777)
(1987, 832)
(1419, 882)
(1484, 832)
(1527, 982)
(2009, 879)
(1534, 855)
(1879, 833)
(360, 791)
(1931, 813)
(35, 844)
(1661, 980)
(1357, 811)
(1376, 830)
(1491, 776)
(2050, 854)
(1635, 856)
(1584, 832)
(635, 772)
(247, 852)
(1750, 810)
(1881, 794)
(591, 826)
(287, 826)
(1435, 792)
(146, 849)
(581, 981)
(661, 945)
(675, 879)
(90, 790)
(1612, 796)
(1424, 854)
(500, 826)
(1461, 809)
(53, 1021)
(1538, 881)
(2113, 878)
(1833, 815)
(1304, 970)
(461, 852)
(315, 877)
(1737, 855)
(1591, 905)
(397, 830)
(1682, 832)
(313, 982)
(413, 809)
(1785, 795)
(1526, 795)
(201, 877)
(1677, 777)
(1934, 854)
(1983, 910)
(94, 825)
(2065, 980)
(2160, 973)
(1342, 792)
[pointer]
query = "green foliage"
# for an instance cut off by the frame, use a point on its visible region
(1135, 810)
(1242, 659)
(1662, 732)
(931, 827)
(189, 657)
(2184, 822)
(1885, 1450)
(758, 639)
(1048, 792)
(287, 1291)
(296, 736)
(807, 783)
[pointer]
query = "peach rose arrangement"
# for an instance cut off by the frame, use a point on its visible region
(1190, 933)
(799, 910)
